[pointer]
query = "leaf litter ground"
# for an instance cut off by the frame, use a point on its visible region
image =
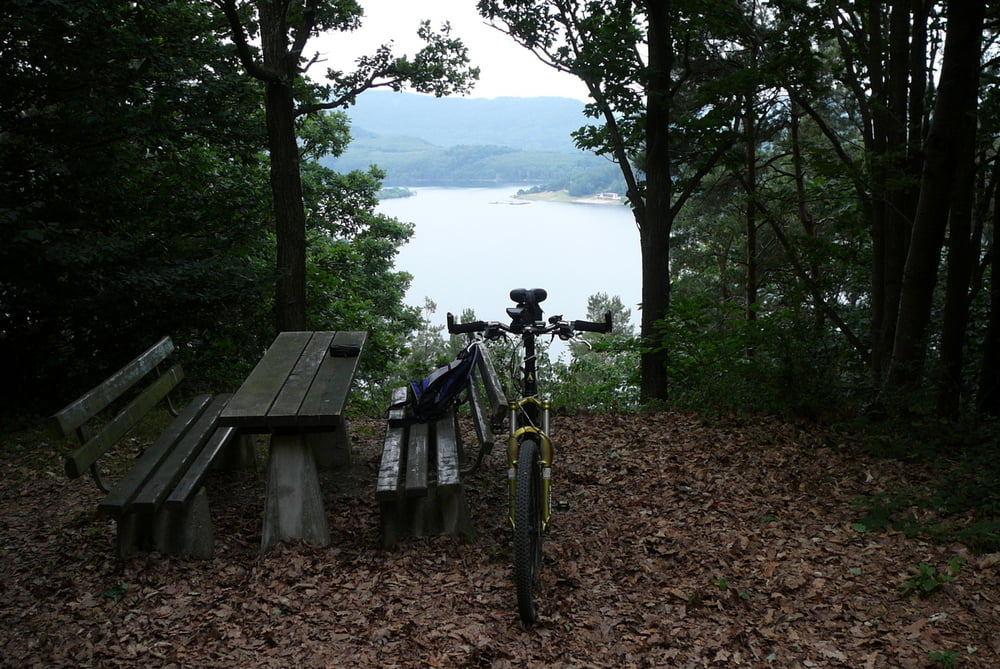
(677, 544)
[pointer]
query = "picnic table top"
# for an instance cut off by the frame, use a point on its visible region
(300, 384)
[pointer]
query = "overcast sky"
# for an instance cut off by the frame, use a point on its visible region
(506, 68)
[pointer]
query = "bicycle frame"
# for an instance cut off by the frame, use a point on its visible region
(530, 508)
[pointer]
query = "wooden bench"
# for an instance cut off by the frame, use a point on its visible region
(159, 503)
(419, 488)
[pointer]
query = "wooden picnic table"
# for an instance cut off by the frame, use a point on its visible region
(297, 393)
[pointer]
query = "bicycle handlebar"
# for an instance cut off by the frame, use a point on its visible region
(461, 328)
(590, 326)
(555, 326)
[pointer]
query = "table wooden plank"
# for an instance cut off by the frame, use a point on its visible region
(253, 399)
(328, 393)
(303, 375)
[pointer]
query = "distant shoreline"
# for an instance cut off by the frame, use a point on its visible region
(564, 196)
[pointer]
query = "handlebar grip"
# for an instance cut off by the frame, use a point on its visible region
(590, 326)
(460, 328)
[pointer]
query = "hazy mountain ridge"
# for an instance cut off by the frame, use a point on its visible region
(423, 140)
(529, 124)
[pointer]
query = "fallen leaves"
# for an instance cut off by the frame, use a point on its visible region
(675, 543)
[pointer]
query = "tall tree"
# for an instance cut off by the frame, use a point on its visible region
(944, 193)
(130, 183)
(283, 28)
(643, 64)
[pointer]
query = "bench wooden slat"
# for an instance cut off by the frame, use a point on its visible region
(124, 491)
(494, 391)
(324, 401)
(446, 440)
(189, 484)
(416, 460)
(484, 430)
(78, 461)
(86, 407)
(389, 479)
(158, 486)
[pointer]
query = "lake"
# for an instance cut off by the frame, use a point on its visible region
(467, 251)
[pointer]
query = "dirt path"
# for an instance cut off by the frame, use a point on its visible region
(683, 546)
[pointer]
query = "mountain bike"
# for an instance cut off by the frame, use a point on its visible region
(529, 448)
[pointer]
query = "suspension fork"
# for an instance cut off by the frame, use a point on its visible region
(530, 406)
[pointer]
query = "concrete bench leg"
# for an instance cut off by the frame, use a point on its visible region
(134, 533)
(187, 531)
(455, 517)
(293, 509)
(238, 454)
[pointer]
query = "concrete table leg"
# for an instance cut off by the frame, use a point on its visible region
(293, 509)
(332, 449)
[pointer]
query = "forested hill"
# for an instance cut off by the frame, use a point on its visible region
(529, 124)
(423, 140)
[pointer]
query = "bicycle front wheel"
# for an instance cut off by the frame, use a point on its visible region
(527, 528)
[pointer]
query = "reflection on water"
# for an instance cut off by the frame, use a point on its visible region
(468, 251)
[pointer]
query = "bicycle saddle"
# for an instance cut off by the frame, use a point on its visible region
(528, 295)
(528, 309)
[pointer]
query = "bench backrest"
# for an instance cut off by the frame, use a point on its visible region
(491, 384)
(75, 419)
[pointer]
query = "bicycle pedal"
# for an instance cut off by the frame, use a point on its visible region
(560, 506)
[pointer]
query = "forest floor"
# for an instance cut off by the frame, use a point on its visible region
(684, 545)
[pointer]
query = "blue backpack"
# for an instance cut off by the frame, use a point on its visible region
(433, 396)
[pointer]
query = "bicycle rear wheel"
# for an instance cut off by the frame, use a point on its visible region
(527, 528)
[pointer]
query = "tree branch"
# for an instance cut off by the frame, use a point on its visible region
(241, 40)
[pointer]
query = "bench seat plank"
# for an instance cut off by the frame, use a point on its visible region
(416, 460)
(125, 490)
(389, 484)
(446, 441)
(494, 391)
(156, 488)
(190, 483)
(420, 489)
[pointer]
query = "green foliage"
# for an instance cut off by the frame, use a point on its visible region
(604, 379)
(925, 579)
(132, 184)
(425, 350)
(722, 362)
(946, 659)
(605, 375)
(136, 205)
(961, 501)
(116, 593)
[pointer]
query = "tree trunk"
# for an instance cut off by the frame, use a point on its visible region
(894, 193)
(963, 251)
(750, 135)
(280, 70)
(988, 399)
(955, 107)
(289, 215)
(655, 228)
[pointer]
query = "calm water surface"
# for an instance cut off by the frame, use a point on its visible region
(467, 251)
